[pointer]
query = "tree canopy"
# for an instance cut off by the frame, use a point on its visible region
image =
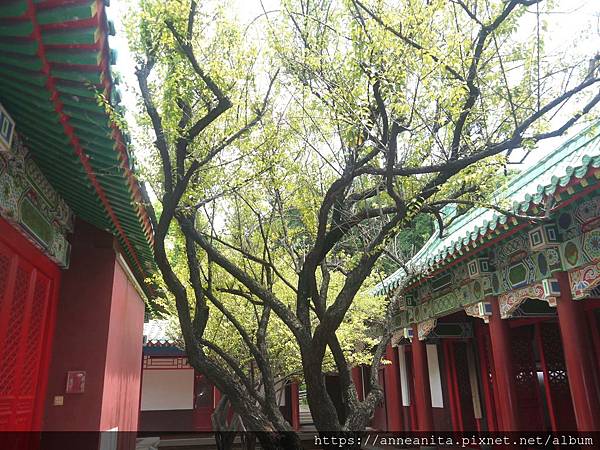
(297, 159)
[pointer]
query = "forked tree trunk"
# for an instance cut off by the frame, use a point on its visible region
(226, 432)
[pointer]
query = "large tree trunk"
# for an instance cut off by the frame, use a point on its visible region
(322, 409)
(286, 440)
(226, 432)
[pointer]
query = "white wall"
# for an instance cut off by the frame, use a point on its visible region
(404, 387)
(167, 389)
(435, 378)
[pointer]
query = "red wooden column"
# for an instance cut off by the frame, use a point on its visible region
(358, 383)
(547, 387)
(486, 365)
(392, 390)
(295, 406)
(421, 378)
(452, 385)
(593, 325)
(500, 339)
(216, 396)
(579, 353)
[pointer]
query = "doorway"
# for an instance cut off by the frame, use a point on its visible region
(28, 291)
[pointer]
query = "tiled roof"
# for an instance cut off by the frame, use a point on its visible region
(569, 162)
(156, 331)
(54, 63)
(157, 341)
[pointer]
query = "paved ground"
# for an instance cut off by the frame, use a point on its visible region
(192, 442)
(206, 442)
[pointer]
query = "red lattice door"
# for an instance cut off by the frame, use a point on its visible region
(556, 381)
(526, 380)
(463, 386)
(27, 288)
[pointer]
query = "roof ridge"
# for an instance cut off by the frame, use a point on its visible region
(558, 151)
(517, 183)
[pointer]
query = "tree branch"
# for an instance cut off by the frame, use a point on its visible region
(406, 40)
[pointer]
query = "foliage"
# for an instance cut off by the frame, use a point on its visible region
(291, 170)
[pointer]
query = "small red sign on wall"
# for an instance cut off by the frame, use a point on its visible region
(75, 382)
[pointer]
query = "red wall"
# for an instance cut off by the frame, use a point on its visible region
(99, 330)
(122, 375)
(81, 330)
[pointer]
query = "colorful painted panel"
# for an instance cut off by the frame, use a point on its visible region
(584, 279)
(547, 291)
(582, 249)
(543, 236)
(511, 250)
(445, 304)
(587, 214)
(29, 201)
(7, 128)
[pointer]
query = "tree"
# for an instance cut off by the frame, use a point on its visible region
(279, 194)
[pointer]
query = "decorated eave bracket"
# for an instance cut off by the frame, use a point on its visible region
(548, 290)
(28, 201)
(481, 310)
(425, 328)
(584, 280)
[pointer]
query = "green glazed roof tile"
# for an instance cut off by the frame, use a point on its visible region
(570, 161)
(73, 37)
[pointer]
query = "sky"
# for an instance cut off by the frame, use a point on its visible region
(574, 26)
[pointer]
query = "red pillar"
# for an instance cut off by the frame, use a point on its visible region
(216, 396)
(547, 387)
(422, 389)
(452, 385)
(500, 339)
(358, 383)
(295, 406)
(486, 363)
(392, 390)
(593, 326)
(579, 353)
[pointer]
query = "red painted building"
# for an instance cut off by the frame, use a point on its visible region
(75, 242)
(175, 398)
(499, 318)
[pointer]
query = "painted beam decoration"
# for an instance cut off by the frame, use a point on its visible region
(28, 201)
(481, 310)
(518, 267)
(583, 280)
(7, 130)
